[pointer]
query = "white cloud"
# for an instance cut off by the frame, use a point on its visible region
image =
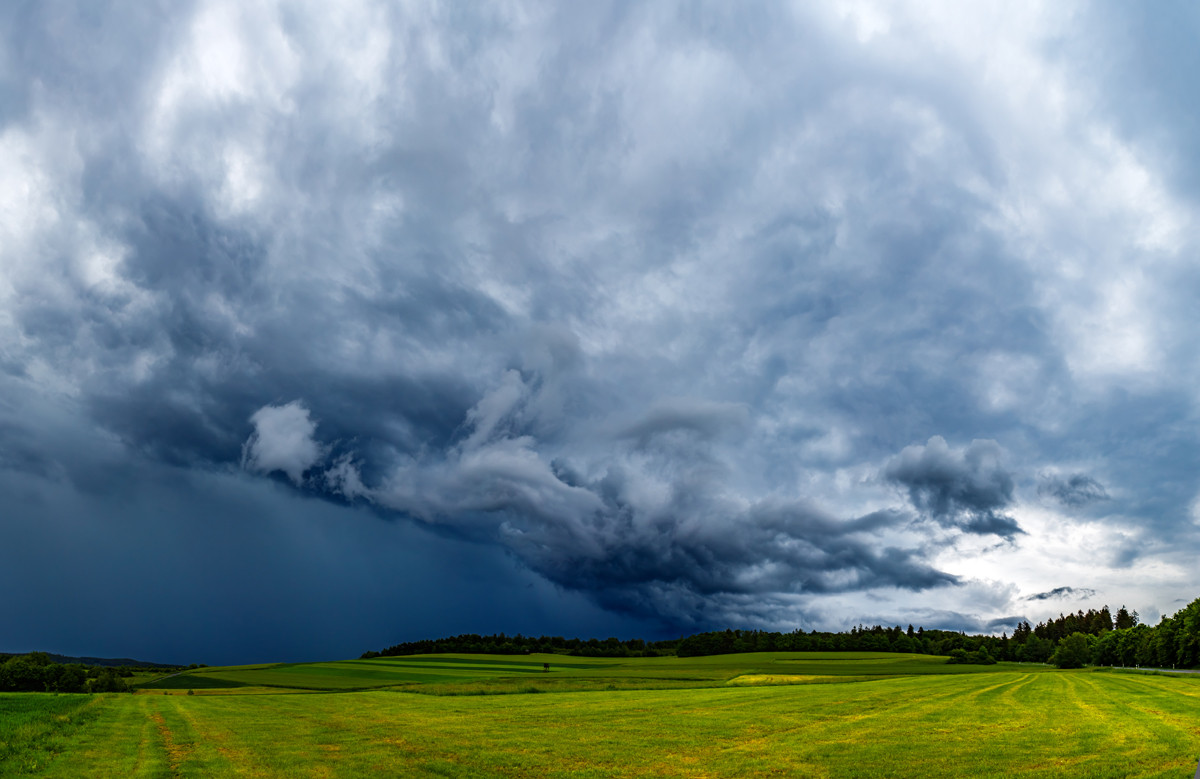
(282, 441)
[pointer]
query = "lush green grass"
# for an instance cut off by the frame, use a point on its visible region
(188, 682)
(869, 716)
(35, 728)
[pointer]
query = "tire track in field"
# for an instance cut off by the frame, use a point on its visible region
(176, 753)
(146, 741)
(217, 740)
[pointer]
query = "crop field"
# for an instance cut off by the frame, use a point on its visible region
(776, 714)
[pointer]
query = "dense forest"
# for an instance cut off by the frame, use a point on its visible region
(1096, 637)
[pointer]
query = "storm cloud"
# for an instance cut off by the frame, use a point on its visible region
(965, 488)
(670, 315)
(659, 542)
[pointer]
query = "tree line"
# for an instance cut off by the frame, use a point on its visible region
(37, 672)
(1173, 643)
(1028, 643)
(1095, 636)
(501, 644)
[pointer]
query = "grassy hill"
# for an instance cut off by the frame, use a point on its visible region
(768, 714)
(476, 674)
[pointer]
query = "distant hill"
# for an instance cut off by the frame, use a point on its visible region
(104, 662)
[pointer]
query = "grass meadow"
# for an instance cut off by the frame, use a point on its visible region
(777, 714)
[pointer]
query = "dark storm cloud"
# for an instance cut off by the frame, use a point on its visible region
(966, 488)
(677, 556)
(1073, 491)
(1062, 593)
(643, 565)
(211, 371)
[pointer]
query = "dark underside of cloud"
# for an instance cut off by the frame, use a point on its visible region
(672, 548)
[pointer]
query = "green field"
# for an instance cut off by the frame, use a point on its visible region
(775, 714)
(476, 674)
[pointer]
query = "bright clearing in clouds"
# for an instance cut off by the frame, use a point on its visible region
(324, 327)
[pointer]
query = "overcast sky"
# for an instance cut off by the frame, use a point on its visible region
(325, 326)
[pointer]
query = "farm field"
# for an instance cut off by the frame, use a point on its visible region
(734, 715)
(475, 674)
